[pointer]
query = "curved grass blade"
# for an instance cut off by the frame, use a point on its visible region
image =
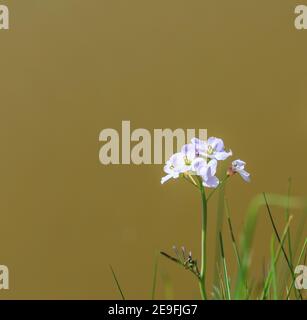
(227, 282)
(233, 239)
(153, 291)
(168, 286)
(219, 226)
(273, 263)
(117, 283)
(295, 249)
(274, 277)
(287, 218)
(278, 238)
(249, 230)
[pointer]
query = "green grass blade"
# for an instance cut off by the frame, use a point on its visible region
(227, 282)
(234, 243)
(273, 263)
(249, 230)
(221, 284)
(245, 246)
(278, 238)
(274, 277)
(287, 218)
(117, 283)
(216, 293)
(168, 286)
(284, 270)
(233, 239)
(219, 226)
(154, 281)
(295, 247)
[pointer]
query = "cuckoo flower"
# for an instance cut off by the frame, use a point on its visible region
(189, 153)
(238, 166)
(181, 162)
(213, 148)
(201, 158)
(174, 166)
(207, 172)
(200, 146)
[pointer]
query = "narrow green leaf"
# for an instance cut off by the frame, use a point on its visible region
(227, 282)
(295, 247)
(249, 230)
(233, 239)
(117, 283)
(287, 218)
(155, 271)
(273, 263)
(168, 286)
(274, 277)
(219, 226)
(278, 238)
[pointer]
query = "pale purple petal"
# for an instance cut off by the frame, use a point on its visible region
(245, 175)
(210, 181)
(223, 155)
(177, 160)
(239, 167)
(203, 172)
(200, 145)
(238, 164)
(213, 166)
(166, 178)
(216, 143)
(197, 164)
(189, 150)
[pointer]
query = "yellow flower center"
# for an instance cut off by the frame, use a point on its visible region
(187, 161)
(210, 150)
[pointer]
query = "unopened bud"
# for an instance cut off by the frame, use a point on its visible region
(231, 172)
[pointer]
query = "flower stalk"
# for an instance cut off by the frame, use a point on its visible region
(202, 278)
(197, 163)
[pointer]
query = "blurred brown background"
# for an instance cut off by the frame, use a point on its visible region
(72, 68)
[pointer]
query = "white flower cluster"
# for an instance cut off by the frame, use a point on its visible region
(201, 158)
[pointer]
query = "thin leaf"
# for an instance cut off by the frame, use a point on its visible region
(278, 238)
(249, 230)
(222, 286)
(287, 218)
(274, 278)
(170, 257)
(219, 226)
(298, 235)
(168, 286)
(233, 239)
(216, 293)
(153, 290)
(117, 283)
(227, 282)
(273, 263)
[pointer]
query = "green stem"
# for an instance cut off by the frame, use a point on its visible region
(202, 278)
